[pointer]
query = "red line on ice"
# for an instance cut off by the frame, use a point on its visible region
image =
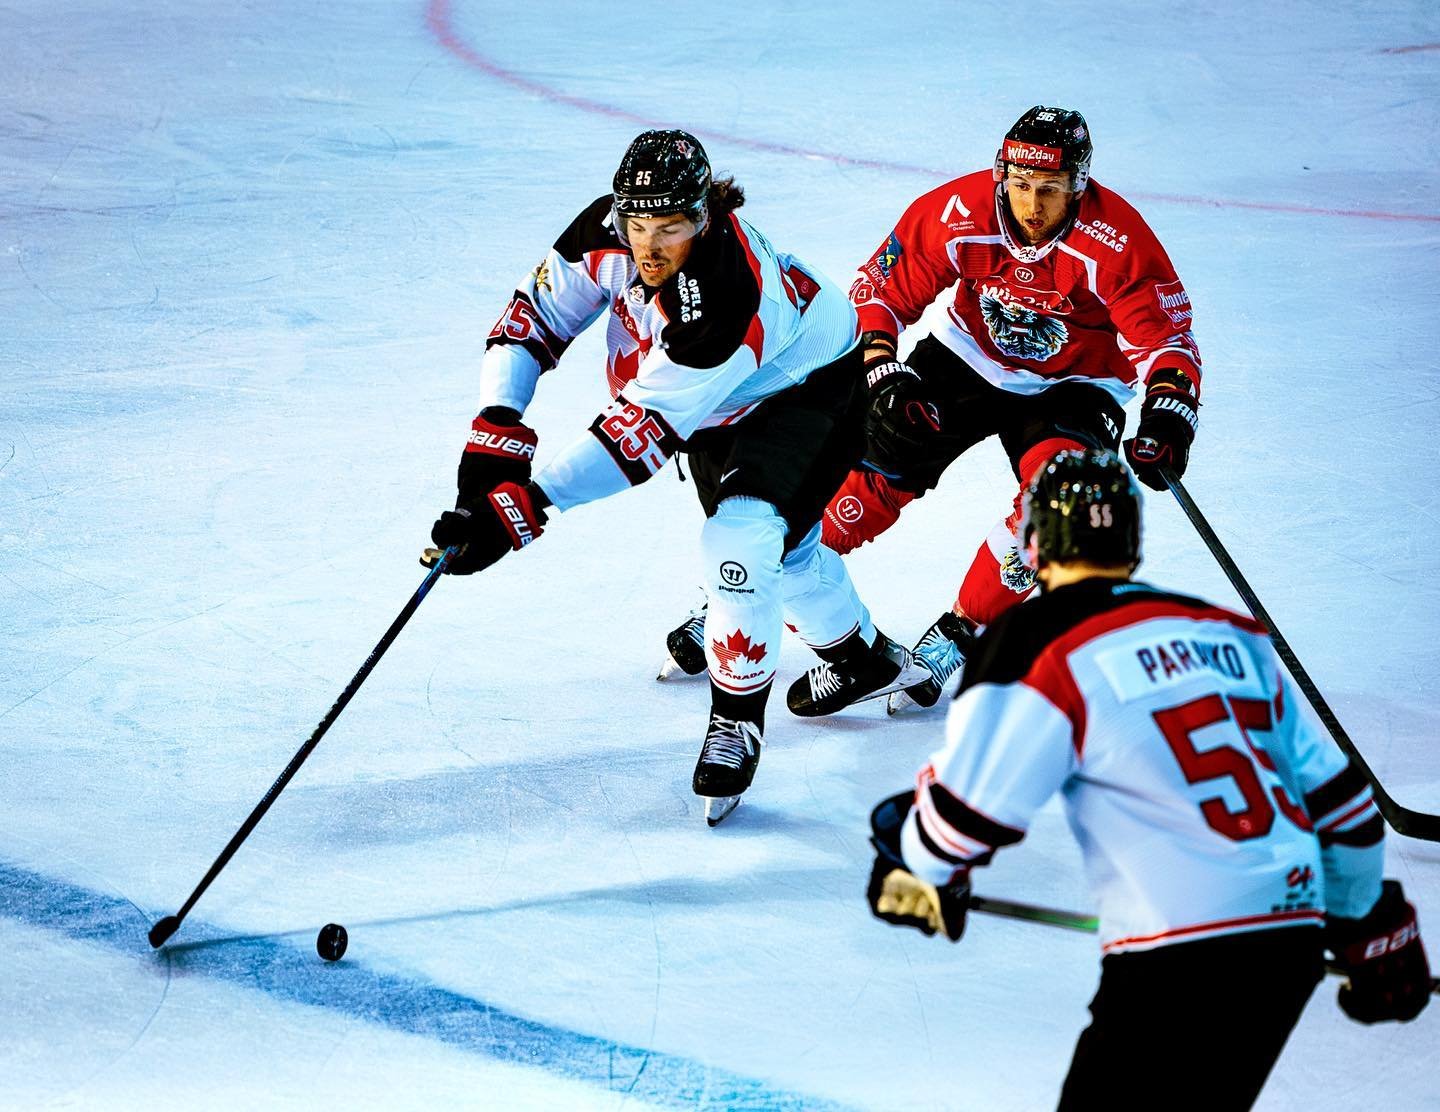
(1411, 49)
(437, 17)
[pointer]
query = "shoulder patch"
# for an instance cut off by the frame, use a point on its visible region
(590, 231)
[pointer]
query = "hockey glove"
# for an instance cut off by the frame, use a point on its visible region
(500, 450)
(902, 424)
(1381, 954)
(509, 518)
(897, 895)
(1168, 420)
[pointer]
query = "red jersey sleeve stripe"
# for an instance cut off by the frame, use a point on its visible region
(755, 334)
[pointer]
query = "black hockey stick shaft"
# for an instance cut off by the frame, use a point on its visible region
(1087, 924)
(167, 926)
(1413, 824)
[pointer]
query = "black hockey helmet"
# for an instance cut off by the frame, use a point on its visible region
(1083, 507)
(1048, 139)
(663, 172)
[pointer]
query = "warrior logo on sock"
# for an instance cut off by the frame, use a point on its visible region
(849, 509)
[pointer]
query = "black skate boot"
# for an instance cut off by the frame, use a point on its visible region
(727, 764)
(942, 649)
(685, 646)
(852, 673)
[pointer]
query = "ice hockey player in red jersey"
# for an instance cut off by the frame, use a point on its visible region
(720, 346)
(1063, 304)
(1226, 840)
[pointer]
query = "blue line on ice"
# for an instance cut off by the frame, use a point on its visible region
(297, 975)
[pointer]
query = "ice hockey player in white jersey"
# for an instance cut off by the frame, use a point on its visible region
(719, 346)
(1227, 841)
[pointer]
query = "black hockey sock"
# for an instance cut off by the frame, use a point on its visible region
(849, 651)
(749, 707)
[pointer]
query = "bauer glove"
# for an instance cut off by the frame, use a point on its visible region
(509, 518)
(897, 895)
(1381, 954)
(501, 449)
(1168, 420)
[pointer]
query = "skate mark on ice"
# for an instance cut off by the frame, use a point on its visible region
(438, 18)
(410, 1005)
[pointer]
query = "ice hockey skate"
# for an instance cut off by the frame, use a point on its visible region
(727, 764)
(873, 671)
(942, 649)
(685, 646)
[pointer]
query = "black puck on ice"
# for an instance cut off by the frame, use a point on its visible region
(331, 942)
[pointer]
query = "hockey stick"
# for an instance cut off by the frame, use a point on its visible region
(1087, 924)
(1413, 824)
(167, 926)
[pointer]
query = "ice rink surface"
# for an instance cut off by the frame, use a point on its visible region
(249, 254)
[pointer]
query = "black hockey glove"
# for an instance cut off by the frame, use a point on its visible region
(1168, 420)
(509, 518)
(500, 450)
(1381, 954)
(897, 895)
(903, 424)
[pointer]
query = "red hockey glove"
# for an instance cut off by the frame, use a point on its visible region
(903, 424)
(897, 895)
(1384, 959)
(1168, 420)
(500, 450)
(508, 519)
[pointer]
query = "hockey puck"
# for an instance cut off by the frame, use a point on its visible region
(331, 942)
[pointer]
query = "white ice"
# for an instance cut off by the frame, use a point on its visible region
(251, 252)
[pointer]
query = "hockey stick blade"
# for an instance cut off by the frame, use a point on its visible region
(1086, 924)
(162, 930)
(1403, 820)
(160, 933)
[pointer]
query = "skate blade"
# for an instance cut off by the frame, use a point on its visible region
(717, 807)
(910, 676)
(899, 702)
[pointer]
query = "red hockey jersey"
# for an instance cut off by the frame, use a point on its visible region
(1100, 302)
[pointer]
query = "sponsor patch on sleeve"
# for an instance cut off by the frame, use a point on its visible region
(886, 258)
(1175, 301)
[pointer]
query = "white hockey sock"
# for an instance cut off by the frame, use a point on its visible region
(821, 604)
(741, 547)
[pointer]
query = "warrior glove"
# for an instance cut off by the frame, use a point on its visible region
(902, 424)
(897, 895)
(1168, 420)
(1381, 954)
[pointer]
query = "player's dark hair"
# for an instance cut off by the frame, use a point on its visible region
(724, 196)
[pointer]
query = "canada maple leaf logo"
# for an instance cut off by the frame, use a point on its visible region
(736, 645)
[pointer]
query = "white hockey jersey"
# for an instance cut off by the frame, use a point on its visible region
(738, 323)
(1203, 801)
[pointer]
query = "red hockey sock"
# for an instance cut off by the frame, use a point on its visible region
(863, 508)
(997, 579)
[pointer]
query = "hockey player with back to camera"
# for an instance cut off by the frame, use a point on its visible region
(1226, 840)
(1064, 303)
(719, 346)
